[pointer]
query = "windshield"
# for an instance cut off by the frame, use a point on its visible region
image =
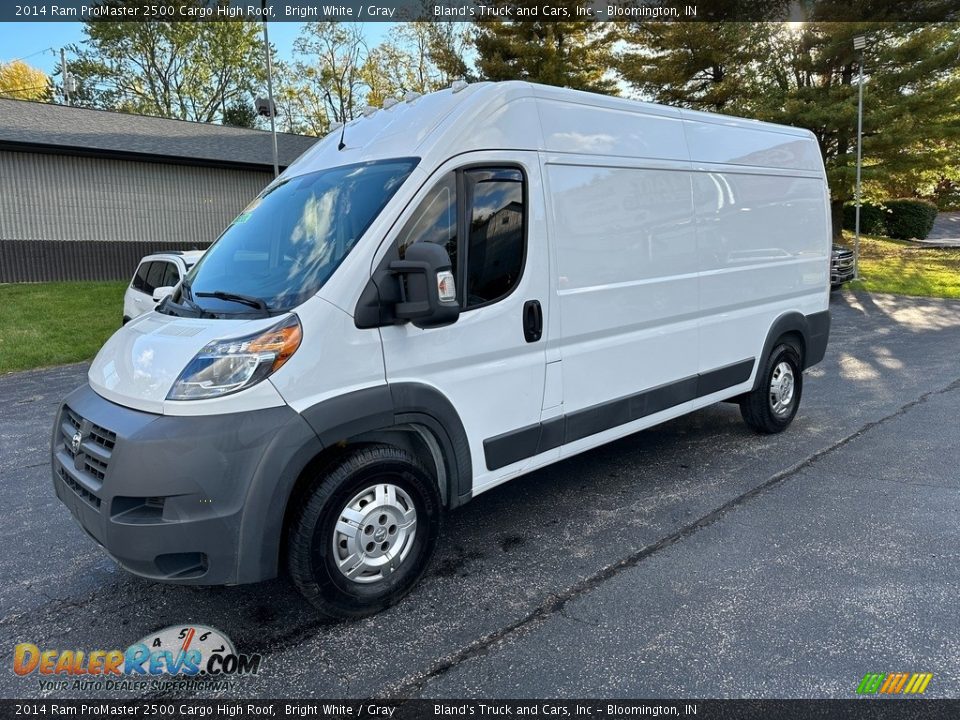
(285, 245)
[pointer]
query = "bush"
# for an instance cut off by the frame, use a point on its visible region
(872, 218)
(902, 219)
(910, 218)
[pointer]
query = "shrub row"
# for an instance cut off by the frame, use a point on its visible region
(902, 219)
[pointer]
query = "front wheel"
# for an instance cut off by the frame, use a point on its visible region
(771, 407)
(364, 532)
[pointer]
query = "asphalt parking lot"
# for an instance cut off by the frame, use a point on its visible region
(695, 559)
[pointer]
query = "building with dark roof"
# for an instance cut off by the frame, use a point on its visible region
(85, 193)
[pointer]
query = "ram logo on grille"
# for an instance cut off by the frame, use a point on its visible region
(76, 441)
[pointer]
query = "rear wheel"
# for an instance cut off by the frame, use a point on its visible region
(364, 532)
(771, 407)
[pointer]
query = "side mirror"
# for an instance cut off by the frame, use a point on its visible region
(427, 288)
(161, 292)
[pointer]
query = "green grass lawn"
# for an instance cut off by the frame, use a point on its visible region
(54, 323)
(903, 268)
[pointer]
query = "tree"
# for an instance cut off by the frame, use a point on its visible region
(335, 73)
(708, 66)
(19, 81)
(806, 76)
(909, 123)
(301, 106)
(330, 61)
(389, 72)
(448, 44)
(185, 70)
(554, 52)
(416, 56)
(240, 114)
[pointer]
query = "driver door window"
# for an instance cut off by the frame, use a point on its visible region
(435, 220)
(486, 206)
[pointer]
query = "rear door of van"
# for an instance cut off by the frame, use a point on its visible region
(486, 209)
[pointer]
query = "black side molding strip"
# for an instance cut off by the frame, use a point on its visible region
(525, 442)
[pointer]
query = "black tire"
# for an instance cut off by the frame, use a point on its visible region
(837, 286)
(312, 532)
(757, 406)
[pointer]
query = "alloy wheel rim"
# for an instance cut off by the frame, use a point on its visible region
(782, 385)
(374, 533)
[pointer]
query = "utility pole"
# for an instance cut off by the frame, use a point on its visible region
(859, 43)
(67, 80)
(273, 107)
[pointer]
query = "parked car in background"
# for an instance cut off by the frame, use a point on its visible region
(163, 272)
(841, 266)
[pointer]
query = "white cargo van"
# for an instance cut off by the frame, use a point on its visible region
(437, 298)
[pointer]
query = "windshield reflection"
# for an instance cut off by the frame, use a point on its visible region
(286, 243)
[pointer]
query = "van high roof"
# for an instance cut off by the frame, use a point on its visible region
(523, 116)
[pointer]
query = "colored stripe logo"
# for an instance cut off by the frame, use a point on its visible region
(894, 683)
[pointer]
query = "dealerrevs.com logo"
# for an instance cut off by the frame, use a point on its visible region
(183, 657)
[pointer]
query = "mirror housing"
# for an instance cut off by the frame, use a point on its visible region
(427, 291)
(161, 292)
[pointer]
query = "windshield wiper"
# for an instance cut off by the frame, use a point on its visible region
(169, 306)
(193, 306)
(250, 300)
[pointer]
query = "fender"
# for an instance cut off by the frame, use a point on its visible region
(261, 529)
(814, 329)
(416, 402)
(386, 406)
(326, 424)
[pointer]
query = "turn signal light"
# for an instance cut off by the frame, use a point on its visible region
(446, 287)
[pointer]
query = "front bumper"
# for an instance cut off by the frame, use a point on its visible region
(174, 498)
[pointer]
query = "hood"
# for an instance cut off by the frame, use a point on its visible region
(139, 364)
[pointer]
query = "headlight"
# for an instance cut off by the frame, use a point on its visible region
(226, 366)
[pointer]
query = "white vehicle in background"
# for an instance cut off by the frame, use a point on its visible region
(156, 277)
(444, 295)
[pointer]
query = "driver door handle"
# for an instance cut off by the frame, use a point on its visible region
(532, 321)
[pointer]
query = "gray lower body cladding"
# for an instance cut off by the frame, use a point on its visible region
(183, 499)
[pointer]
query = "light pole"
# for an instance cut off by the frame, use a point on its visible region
(272, 106)
(859, 43)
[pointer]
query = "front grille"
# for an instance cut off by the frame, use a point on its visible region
(103, 437)
(841, 268)
(79, 489)
(95, 467)
(84, 469)
(99, 435)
